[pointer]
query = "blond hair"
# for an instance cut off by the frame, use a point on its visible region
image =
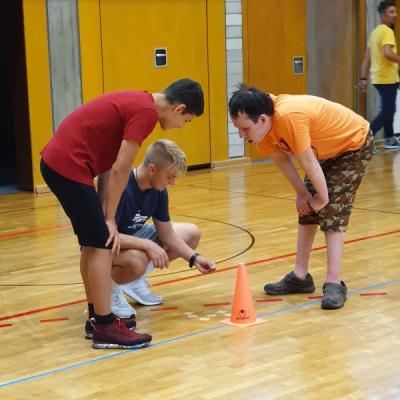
(164, 153)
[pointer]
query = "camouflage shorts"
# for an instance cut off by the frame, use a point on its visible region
(343, 176)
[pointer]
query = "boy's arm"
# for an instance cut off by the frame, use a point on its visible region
(102, 182)
(388, 53)
(155, 252)
(365, 66)
(171, 240)
(313, 170)
(130, 242)
(117, 181)
(284, 163)
(174, 243)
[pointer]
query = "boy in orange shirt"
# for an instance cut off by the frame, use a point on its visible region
(333, 145)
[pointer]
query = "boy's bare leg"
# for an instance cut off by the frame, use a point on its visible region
(305, 240)
(129, 265)
(84, 272)
(335, 244)
(190, 233)
(99, 263)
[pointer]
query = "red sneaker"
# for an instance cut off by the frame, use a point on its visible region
(117, 336)
(91, 322)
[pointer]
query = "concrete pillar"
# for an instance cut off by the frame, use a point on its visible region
(372, 20)
(64, 52)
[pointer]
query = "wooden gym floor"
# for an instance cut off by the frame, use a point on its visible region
(246, 214)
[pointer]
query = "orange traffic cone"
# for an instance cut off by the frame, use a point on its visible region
(243, 313)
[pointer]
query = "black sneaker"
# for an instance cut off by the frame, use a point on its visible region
(291, 284)
(130, 323)
(334, 295)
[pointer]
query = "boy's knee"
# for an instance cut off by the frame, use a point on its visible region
(136, 260)
(193, 235)
(196, 235)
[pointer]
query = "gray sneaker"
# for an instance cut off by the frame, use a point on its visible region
(391, 143)
(139, 291)
(291, 284)
(334, 295)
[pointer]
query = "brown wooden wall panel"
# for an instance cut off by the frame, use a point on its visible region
(332, 50)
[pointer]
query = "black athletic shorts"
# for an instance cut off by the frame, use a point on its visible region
(82, 205)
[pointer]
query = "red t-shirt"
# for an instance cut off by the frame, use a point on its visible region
(87, 142)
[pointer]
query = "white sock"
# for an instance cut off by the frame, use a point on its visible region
(137, 283)
(149, 268)
(114, 285)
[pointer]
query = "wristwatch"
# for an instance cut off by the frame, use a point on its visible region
(192, 259)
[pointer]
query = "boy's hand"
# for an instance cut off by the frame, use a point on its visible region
(156, 254)
(316, 203)
(362, 85)
(203, 265)
(114, 236)
(302, 203)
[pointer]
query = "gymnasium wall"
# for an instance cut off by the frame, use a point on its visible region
(77, 50)
(275, 37)
(332, 50)
(38, 79)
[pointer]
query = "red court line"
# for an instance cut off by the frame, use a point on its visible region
(38, 310)
(5, 325)
(373, 294)
(314, 297)
(164, 309)
(200, 275)
(54, 319)
(283, 256)
(216, 304)
(33, 230)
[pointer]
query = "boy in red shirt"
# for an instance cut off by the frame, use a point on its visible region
(333, 145)
(102, 138)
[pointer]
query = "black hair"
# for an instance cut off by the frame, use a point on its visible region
(383, 5)
(251, 101)
(187, 92)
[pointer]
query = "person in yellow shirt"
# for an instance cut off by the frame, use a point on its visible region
(382, 61)
(333, 145)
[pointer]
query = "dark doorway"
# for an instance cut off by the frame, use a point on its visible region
(15, 149)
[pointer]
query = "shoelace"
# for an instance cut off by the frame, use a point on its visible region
(144, 290)
(122, 327)
(120, 299)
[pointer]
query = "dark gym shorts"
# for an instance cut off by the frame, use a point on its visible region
(343, 176)
(82, 205)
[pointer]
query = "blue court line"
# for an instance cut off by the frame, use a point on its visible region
(177, 338)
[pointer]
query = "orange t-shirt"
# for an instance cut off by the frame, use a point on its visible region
(302, 121)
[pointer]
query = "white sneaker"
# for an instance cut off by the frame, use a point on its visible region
(119, 305)
(138, 290)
